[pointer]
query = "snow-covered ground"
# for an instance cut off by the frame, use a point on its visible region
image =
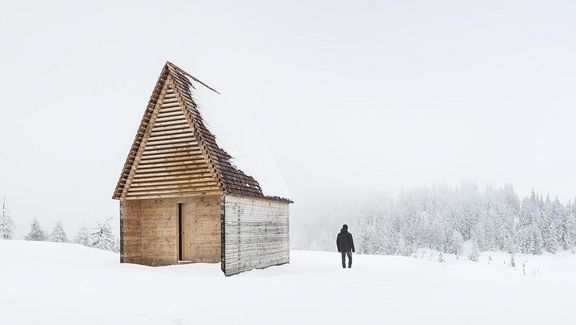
(52, 283)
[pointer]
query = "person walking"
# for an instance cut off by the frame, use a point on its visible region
(345, 245)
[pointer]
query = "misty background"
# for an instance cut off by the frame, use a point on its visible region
(333, 103)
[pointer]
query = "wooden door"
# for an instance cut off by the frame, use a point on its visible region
(200, 230)
(189, 249)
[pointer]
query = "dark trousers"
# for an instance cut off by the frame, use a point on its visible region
(349, 254)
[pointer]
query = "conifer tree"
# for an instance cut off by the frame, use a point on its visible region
(401, 247)
(59, 234)
(103, 238)
(567, 227)
(536, 240)
(549, 217)
(36, 233)
(83, 237)
(6, 222)
(475, 254)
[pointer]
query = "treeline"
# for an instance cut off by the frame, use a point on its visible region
(443, 218)
(100, 236)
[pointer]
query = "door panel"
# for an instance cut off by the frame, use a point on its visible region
(200, 228)
(188, 234)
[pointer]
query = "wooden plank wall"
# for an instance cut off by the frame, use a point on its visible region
(170, 162)
(202, 215)
(255, 234)
(130, 232)
(150, 230)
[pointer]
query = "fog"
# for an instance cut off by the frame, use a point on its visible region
(343, 100)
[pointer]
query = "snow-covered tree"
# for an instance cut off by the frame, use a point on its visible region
(6, 222)
(550, 214)
(567, 225)
(402, 248)
(454, 242)
(83, 237)
(59, 234)
(103, 238)
(475, 254)
(36, 233)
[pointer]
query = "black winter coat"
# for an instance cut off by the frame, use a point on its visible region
(344, 241)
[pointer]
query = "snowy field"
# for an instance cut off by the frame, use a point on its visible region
(52, 283)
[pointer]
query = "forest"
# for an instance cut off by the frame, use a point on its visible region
(443, 218)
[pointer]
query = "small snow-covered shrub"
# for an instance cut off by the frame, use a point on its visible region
(512, 262)
(524, 267)
(441, 258)
(474, 256)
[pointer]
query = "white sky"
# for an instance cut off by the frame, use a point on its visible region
(350, 96)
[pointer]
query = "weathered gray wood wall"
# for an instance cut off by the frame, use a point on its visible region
(255, 233)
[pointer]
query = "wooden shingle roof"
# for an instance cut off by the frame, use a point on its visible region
(230, 179)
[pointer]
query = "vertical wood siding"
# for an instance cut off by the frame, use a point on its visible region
(131, 232)
(255, 234)
(150, 230)
(159, 232)
(202, 221)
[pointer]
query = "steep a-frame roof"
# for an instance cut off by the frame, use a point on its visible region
(230, 179)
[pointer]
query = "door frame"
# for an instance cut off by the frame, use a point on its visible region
(180, 230)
